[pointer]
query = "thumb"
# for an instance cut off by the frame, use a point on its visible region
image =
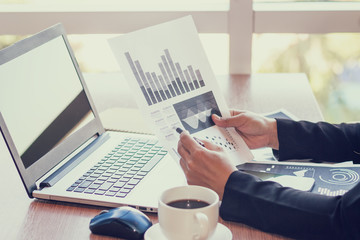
(225, 121)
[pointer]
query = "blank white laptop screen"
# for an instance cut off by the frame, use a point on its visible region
(21, 100)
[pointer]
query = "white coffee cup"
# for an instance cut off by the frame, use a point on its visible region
(188, 224)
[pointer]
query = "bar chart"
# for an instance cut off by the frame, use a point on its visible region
(171, 80)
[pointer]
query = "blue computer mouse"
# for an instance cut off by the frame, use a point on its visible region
(121, 222)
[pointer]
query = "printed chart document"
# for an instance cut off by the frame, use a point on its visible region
(330, 179)
(174, 85)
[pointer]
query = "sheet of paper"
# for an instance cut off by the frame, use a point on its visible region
(330, 179)
(174, 85)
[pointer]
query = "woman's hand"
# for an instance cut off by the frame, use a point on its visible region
(206, 166)
(256, 130)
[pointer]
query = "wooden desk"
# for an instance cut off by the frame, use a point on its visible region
(24, 218)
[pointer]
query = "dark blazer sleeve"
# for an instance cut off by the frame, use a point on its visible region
(301, 215)
(319, 141)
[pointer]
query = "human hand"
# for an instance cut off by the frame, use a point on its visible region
(206, 166)
(256, 130)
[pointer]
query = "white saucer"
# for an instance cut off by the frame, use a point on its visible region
(221, 233)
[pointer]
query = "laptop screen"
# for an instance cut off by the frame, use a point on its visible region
(42, 99)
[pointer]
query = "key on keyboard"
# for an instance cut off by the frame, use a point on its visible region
(121, 169)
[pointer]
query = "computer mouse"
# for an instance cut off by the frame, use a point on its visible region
(121, 222)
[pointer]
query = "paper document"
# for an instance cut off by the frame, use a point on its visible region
(330, 179)
(174, 85)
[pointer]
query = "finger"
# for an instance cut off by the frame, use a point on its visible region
(225, 122)
(188, 142)
(234, 112)
(184, 153)
(184, 166)
(211, 146)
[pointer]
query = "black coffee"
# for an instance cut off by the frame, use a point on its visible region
(188, 203)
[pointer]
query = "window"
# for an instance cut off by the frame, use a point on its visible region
(267, 39)
(331, 62)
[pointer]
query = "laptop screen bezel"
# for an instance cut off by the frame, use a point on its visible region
(33, 173)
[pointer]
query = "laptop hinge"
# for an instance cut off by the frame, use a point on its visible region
(74, 161)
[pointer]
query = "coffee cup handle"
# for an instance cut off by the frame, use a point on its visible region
(204, 226)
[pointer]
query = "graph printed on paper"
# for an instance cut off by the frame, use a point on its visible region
(171, 80)
(168, 68)
(195, 116)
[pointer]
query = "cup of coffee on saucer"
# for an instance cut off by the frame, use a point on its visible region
(188, 213)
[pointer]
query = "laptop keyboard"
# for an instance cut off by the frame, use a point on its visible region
(117, 173)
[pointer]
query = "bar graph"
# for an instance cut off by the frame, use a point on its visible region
(169, 81)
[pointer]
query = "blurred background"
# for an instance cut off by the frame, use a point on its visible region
(330, 61)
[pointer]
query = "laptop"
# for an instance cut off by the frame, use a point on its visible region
(57, 141)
